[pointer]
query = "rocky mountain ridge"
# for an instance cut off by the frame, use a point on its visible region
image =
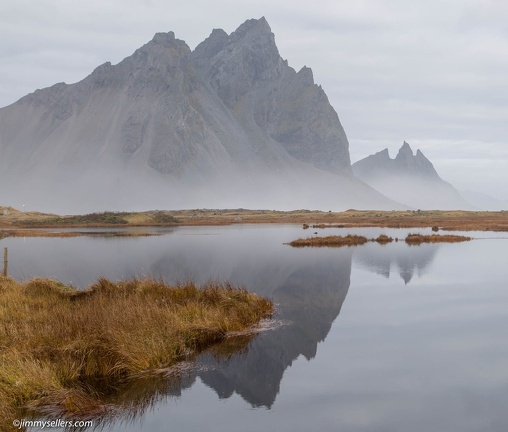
(229, 124)
(410, 179)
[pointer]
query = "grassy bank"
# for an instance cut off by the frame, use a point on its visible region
(56, 342)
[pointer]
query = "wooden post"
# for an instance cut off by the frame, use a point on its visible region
(5, 261)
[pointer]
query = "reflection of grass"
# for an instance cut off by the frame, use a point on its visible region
(35, 233)
(334, 241)
(416, 239)
(44, 233)
(58, 344)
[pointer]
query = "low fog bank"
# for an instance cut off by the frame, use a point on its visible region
(420, 193)
(104, 189)
(98, 191)
(483, 201)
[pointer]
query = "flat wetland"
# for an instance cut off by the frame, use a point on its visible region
(439, 219)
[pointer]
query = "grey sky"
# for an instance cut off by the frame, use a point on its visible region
(431, 72)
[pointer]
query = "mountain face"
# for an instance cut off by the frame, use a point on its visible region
(410, 179)
(229, 124)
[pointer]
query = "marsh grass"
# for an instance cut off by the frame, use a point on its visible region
(416, 239)
(443, 219)
(330, 241)
(57, 342)
(383, 239)
(354, 240)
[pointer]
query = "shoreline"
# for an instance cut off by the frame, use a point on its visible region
(440, 219)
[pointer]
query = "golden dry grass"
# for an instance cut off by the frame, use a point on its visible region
(416, 239)
(354, 240)
(383, 239)
(330, 241)
(55, 340)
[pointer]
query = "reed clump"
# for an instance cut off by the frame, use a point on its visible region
(330, 241)
(383, 239)
(55, 340)
(416, 239)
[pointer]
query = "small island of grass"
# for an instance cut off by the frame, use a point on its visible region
(355, 240)
(56, 341)
(416, 239)
(330, 241)
(383, 239)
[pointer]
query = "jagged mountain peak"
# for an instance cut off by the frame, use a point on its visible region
(305, 73)
(258, 26)
(420, 155)
(166, 118)
(164, 38)
(383, 154)
(246, 56)
(405, 153)
(409, 178)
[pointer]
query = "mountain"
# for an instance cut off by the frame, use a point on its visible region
(410, 179)
(229, 124)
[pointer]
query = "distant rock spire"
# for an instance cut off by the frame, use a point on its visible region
(409, 178)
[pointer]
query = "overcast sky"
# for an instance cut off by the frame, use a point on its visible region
(431, 72)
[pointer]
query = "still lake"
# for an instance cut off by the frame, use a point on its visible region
(374, 338)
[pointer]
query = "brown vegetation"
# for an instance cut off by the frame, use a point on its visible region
(416, 239)
(323, 226)
(330, 241)
(57, 342)
(383, 239)
(442, 219)
(353, 240)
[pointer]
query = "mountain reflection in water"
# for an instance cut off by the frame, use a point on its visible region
(308, 286)
(407, 260)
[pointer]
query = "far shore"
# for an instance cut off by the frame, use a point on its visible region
(437, 219)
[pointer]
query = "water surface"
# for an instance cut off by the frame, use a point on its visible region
(377, 338)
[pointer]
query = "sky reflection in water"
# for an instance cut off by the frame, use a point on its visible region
(420, 342)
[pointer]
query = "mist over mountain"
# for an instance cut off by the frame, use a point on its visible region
(228, 125)
(410, 179)
(483, 201)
